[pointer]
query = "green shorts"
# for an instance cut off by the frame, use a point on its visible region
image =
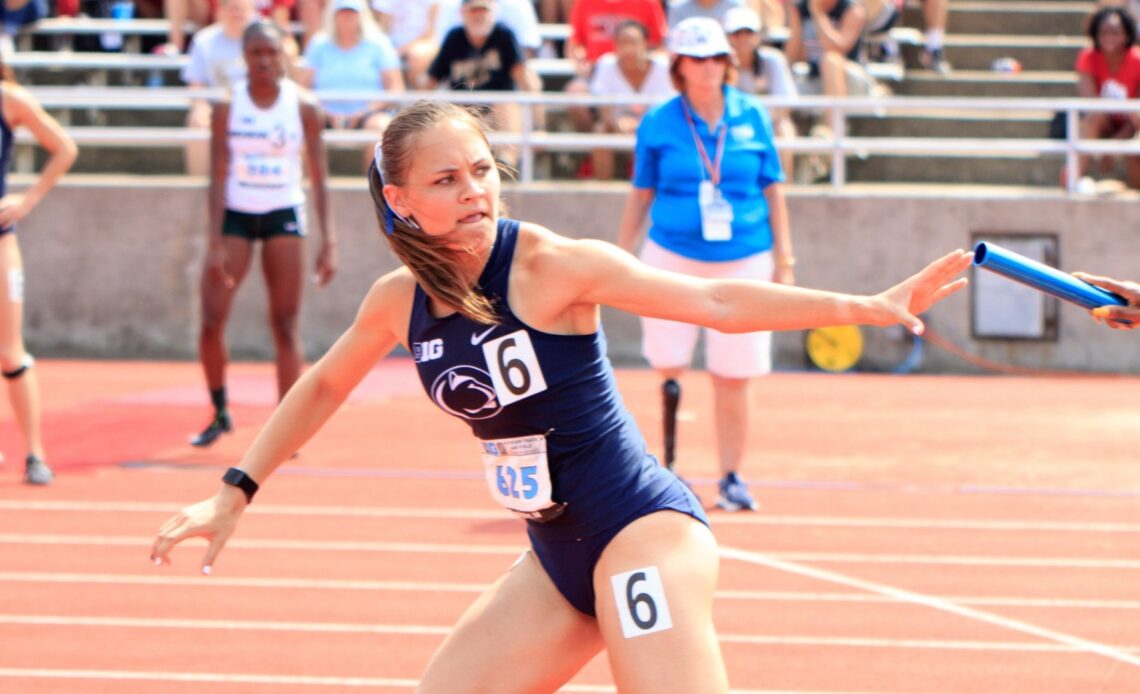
(289, 221)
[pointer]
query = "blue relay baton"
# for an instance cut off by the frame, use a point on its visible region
(1042, 277)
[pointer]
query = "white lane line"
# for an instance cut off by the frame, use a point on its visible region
(429, 630)
(220, 582)
(936, 603)
(296, 545)
(921, 644)
(513, 550)
(960, 560)
(485, 514)
(224, 624)
(217, 678)
(296, 680)
(991, 601)
(234, 678)
(237, 582)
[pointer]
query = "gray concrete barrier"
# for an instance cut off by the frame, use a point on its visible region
(113, 265)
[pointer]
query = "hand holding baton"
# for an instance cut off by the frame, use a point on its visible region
(1043, 278)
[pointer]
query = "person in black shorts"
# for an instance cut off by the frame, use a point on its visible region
(258, 141)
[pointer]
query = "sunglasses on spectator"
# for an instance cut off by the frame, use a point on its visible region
(720, 58)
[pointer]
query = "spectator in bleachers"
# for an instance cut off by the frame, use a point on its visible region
(260, 140)
(19, 109)
(935, 14)
(882, 16)
(352, 54)
(518, 16)
(215, 62)
(483, 55)
(762, 70)
(17, 14)
(206, 12)
(593, 24)
(1110, 69)
(629, 70)
(707, 171)
(680, 10)
(827, 34)
(411, 26)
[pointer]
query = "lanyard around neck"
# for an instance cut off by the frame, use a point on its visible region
(711, 165)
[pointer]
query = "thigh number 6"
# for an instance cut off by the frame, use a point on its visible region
(640, 599)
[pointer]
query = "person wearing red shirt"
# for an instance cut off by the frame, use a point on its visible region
(1110, 69)
(594, 23)
(593, 33)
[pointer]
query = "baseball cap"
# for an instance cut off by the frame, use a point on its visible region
(698, 37)
(354, 5)
(739, 18)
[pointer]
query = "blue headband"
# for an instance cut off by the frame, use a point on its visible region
(389, 213)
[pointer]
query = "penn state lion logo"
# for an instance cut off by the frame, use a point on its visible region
(467, 392)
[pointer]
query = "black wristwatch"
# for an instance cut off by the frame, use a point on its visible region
(237, 478)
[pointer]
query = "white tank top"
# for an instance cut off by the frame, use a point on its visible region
(265, 152)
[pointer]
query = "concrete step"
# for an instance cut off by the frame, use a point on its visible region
(1023, 18)
(979, 51)
(973, 124)
(1037, 83)
(1014, 170)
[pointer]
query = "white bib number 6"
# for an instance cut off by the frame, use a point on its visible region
(514, 367)
(641, 604)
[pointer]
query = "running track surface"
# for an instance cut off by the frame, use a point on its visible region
(918, 534)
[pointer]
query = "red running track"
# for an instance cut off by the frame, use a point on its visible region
(933, 534)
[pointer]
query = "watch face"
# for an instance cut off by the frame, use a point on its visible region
(233, 476)
(835, 348)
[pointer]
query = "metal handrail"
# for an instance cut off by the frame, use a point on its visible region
(531, 139)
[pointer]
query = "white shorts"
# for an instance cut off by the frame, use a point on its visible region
(669, 345)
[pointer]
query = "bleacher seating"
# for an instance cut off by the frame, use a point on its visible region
(1043, 35)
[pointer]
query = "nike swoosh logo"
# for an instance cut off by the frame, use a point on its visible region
(476, 338)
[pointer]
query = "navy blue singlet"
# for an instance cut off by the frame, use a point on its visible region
(5, 159)
(599, 465)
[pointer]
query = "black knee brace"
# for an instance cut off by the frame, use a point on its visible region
(19, 370)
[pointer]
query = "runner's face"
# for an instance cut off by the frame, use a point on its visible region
(264, 59)
(452, 185)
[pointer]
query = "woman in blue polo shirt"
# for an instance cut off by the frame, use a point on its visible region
(708, 175)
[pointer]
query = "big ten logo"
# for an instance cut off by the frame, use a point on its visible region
(427, 351)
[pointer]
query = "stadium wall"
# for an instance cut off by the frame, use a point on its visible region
(113, 264)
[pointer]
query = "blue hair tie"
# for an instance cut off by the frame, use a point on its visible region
(389, 225)
(390, 215)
